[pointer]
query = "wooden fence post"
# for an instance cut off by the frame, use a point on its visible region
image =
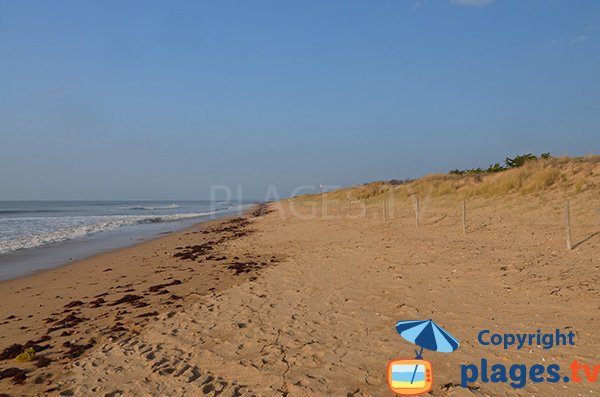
(417, 212)
(390, 203)
(387, 209)
(568, 225)
(464, 216)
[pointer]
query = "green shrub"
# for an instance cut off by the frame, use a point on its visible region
(515, 162)
(519, 161)
(495, 168)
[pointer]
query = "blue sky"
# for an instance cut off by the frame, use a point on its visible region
(153, 100)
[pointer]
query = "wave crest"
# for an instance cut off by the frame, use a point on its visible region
(41, 231)
(159, 207)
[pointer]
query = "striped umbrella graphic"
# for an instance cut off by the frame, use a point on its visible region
(427, 335)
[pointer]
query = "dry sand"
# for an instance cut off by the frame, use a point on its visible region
(315, 314)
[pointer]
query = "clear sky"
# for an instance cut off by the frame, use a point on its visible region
(161, 99)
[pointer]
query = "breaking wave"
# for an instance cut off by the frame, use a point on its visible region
(30, 232)
(162, 207)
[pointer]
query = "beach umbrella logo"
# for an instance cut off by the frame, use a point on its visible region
(414, 377)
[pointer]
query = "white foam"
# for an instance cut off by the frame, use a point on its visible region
(163, 207)
(31, 232)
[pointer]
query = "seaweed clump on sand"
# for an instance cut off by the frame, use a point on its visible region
(42, 361)
(228, 230)
(69, 321)
(17, 375)
(158, 287)
(97, 302)
(149, 314)
(15, 349)
(192, 252)
(261, 209)
(134, 300)
(11, 351)
(73, 304)
(76, 350)
(245, 267)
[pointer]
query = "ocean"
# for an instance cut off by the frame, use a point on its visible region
(36, 235)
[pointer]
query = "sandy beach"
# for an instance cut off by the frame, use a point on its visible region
(301, 300)
(67, 311)
(300, 199)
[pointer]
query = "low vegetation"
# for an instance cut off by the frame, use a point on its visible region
(516, 162)
(524, 174)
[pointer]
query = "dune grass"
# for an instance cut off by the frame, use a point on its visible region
(566, 175)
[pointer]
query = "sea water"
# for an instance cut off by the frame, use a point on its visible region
(40, 234)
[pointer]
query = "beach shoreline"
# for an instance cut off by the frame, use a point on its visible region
(302, 301)
(90, 252)
(139, 224)
(66, 310)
